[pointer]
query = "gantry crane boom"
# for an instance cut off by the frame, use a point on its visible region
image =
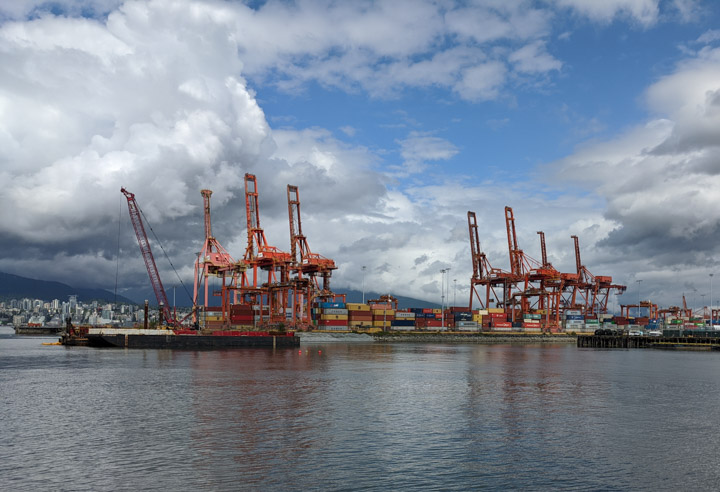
(514, 250)
(258, 249)
(543, 251)
(136, 219)
(298, 242)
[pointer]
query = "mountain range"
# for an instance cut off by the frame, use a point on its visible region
(16, 287)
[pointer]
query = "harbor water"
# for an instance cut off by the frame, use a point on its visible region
(357, 415)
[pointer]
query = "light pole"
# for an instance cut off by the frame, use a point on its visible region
(711, 302)
(442, 297)
(638, 282)
(454, 292)
(363, 284)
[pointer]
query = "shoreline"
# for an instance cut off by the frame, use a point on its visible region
(476, 338)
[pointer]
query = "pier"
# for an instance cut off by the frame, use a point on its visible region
(624, 341)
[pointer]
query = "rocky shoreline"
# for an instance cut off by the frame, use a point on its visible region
(480, 338)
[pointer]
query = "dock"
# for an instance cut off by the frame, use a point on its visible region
(672, 343)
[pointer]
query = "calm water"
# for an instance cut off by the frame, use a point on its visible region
(357, 416)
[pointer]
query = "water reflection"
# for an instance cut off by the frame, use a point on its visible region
(356, 416)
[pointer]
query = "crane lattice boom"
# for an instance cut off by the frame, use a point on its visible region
(136, 219)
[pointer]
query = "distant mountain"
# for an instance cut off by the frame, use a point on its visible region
(184, 300)
(403, 302)
(13, 286)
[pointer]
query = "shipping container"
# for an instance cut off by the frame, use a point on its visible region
(356, 306)
(335, 311)
(330, 305)
(332, 322)
(359, 324)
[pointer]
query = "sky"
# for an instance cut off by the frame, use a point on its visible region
(393, 118)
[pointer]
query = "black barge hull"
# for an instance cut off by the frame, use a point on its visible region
(191, 342)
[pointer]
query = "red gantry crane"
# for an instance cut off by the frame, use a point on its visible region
(593, 291)
(538, 284)
(260, 255)
(495, 282)
(214, 260)
(306, 263)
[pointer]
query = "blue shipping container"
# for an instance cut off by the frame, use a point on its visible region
(326, 305)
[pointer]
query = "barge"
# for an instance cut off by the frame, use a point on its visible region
(186, 339)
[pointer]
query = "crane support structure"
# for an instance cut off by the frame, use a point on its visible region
(145, 250)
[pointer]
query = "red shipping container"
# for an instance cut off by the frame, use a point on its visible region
(502, 324)
(427, 310)
(241, 309)
(332, 322)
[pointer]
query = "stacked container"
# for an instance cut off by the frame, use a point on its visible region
(463, 320)
(359, 316)
(498, 320)
(531, 322)
(404, 321)
(242, 315)
(574, 320)
(332, 316)
(383, 314)
(212, 318)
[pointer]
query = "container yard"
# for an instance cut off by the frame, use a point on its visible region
(270, 289)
